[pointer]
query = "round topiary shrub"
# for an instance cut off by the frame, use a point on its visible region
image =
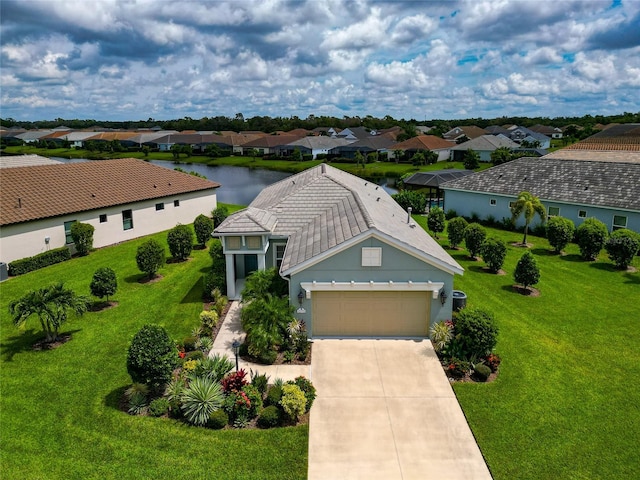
(560, 232)
(180, 240)
(293, 401)
(481, 372)
(527, 272)
(255, 397)
(274, 394)
(82, 235)
(436, 220)
(455, 231)
(474, 236)
(308, 389)
(591, 236)
(103, 283)
(152, 356)
(493, 251)
(218, 420)
(476, 333)
(622, 246)
(270, 417)
(203, 227)
(150, 256)
(159, 407)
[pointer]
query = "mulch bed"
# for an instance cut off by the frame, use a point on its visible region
(529, 291)
(280, 359)
(488, 270)
(102, 306)
(521, 245)
(44, 345)
(145, 280)
(470, 379)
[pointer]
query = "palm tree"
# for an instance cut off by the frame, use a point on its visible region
(529, 205)
(51, 305)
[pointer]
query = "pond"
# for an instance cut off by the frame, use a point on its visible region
(240, 185)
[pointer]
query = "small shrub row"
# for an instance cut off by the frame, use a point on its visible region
(29, 264)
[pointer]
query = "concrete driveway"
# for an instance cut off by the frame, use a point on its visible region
(385, 410)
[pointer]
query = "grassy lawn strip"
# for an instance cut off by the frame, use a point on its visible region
(565, 404)
(59, 408)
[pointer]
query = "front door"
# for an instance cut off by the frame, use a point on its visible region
(250, 264)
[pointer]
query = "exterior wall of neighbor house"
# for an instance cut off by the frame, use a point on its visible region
(28, 239)
(397, 266)
(468, 203)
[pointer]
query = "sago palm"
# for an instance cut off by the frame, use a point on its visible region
(529, 205)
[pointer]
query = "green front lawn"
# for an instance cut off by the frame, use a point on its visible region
(566, 401)
(59, 409)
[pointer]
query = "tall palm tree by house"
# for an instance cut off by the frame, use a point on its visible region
(528, 205)
(51, 305)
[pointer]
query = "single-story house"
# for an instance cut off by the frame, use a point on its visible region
(356, 263)
(484, 146)
(268, 144)
(462, 131)
(315, 146)
(575, 184)
(425, 142)
(525, 135)
(122, 199)
(379, 143)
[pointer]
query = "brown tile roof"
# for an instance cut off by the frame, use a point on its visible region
(271, 141)
(624, 137)
(31, 193)
(108, 136)
(424, 142)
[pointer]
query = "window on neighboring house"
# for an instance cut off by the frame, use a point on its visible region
(127, 219)
(253, 242)
(493, 202)
(159, 206)
(279, 253)
(619, 221)
(371, 256)
(67, 232)
(511, 204)
(553, 212)
(103, 218)
(233, 243)
(176, 203)
(582, 213)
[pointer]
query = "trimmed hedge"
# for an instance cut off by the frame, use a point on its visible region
(29, 264)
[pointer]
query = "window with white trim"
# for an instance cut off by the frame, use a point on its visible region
(233, 243)
(553, 212)
(279, 252)
(371, 256)
(127, 219)
(619, 221)
(512, 204)
(68, 239)
(493, 202)
(253, 242)
(582, 213)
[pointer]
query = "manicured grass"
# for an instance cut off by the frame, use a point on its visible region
(59, 409)
(565, 404)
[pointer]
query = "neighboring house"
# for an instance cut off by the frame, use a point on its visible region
(356, 263)
(624, 137)
(268, 144)
(484, 146)
(379, 143)
(315, 145)
(425, 142)
(575, 184)
(12, 161)
(523, 134)
(552, 132)
(77, 139)
(469, 131)
(497, 130)
(122, 199)
(31, 136)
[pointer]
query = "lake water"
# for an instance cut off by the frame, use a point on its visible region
(240, 185)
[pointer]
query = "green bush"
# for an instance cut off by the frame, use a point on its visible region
(493, 251)
(159, 407)
(29, 264)
(527, 272)
(293, 401)
(308, 389)
(267, 357)
(180, 240)
(209, 319)
(436, 220)
(474, 236)
(137, 404)
(82, 235)
(200, 399)
(622, 246)
(265, 321)
(152, 356)
(560, 232)
(218, 419)
(262, 283)
(455, 231)
(450, 214)
(407, 198)
(591, 237)
(150, 256)
(471, 160)
(203, 227)
(216, 278)
(270, 417)
(441, 335)
(219, 215)
(255, 397)
(104, 283)
(274, 394)
(189, 343)
(481, 372)
(475, 333)
(260, 382)
(215, 367)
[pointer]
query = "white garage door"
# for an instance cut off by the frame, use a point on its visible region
(371, 314)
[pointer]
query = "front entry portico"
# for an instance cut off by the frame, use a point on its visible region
(239, 267)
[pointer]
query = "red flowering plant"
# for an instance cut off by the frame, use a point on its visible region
(234, 381)
(493, 361)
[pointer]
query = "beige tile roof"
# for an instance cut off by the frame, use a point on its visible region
(31, 193)
(323, 207)
(424, 142)
(615, 156)
(12, 161)
(250, 220)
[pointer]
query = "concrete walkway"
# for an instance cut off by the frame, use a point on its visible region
(385, 410)
(231, 330)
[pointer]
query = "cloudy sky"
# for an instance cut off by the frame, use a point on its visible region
(135, 59)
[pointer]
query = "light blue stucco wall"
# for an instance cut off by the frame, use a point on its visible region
(397, 266)
(467, 203)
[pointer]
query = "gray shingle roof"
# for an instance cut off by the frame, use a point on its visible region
(323, 207)
(581, 181)
(486, 143)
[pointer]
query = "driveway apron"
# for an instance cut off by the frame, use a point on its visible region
(385, 410)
